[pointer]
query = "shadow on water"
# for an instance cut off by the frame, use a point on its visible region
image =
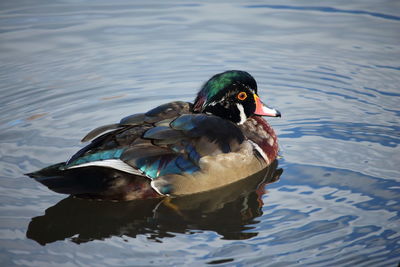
(229, 211)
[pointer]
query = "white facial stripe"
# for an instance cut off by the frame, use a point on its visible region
(243, 116)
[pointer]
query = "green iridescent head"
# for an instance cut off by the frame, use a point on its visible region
(220, 82)
(231, 95)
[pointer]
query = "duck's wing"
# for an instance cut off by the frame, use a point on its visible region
(165, 111)
(166, 140)
(170, 146)
(119, 162)
(131, 123)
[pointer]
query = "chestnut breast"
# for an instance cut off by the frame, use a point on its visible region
(261, 133)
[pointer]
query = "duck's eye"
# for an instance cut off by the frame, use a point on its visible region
(242, 96)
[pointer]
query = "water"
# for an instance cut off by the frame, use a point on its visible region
(332, 69)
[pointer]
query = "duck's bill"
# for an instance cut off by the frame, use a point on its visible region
(264, 110)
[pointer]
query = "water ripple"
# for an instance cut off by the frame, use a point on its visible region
(327, 10)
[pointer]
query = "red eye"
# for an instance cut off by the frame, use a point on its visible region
(242, 96)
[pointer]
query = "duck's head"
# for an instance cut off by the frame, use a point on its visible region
(232, 95)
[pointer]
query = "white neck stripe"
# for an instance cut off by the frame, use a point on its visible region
(243, 116)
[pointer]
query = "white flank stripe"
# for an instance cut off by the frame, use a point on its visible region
(259, 149)
(243, 117)
(156, 189)
(111, 163)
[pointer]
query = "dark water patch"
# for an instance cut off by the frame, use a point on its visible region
(221, 261)
(387, 67)
(327, 10)
(381, 92)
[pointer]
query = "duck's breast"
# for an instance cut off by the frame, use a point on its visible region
(263, 136)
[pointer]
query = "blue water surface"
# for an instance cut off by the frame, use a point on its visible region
(332, 69)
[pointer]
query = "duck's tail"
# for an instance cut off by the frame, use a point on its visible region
(94, 182)
(70, 181)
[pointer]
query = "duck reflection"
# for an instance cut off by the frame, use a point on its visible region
(228, 211)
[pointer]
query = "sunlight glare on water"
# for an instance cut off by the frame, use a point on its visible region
(332, 69)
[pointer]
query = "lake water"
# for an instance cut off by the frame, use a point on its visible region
(332, 69)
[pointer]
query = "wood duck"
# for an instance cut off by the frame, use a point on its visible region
(178, 148)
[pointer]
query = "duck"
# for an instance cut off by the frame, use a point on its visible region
(175, 149)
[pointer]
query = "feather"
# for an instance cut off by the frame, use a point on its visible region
(143, 151)
(162, 133)
(135, 119)
(92, 157)
(185, 122)
(111, 163)
(169, 110)
(99, 130)
(166, 164)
